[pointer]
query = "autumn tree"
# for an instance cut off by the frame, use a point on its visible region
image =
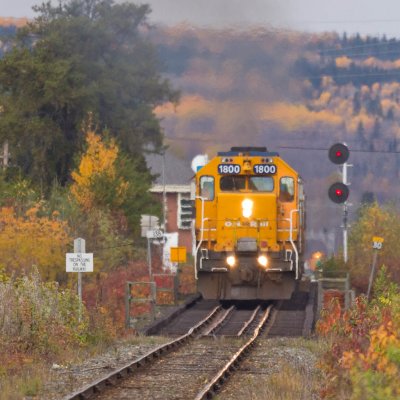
(33, 240)
(75, 57)
(374, 220)
(106, 179)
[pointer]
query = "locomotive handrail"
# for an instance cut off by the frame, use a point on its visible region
(292, 243)
(201, 234)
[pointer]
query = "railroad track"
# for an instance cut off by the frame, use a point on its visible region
(178, 371)
(223, 337)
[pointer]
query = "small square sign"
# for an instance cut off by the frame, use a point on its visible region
(178, 254)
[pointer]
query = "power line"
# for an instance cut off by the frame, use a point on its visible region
(361, 46)
(326, 149)
(189, 139)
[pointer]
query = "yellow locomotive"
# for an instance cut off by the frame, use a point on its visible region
(249, 226)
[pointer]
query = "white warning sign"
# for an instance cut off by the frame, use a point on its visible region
(79, 262)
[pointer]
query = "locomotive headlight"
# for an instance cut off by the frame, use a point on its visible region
(231, 260)
(263, 260)
(247, 208)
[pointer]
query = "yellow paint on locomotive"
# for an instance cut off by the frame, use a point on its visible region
(224, 223)
(249, 226)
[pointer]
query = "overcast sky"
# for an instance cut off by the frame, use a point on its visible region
(365, 16)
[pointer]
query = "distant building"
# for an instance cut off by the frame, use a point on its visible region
(173, 187)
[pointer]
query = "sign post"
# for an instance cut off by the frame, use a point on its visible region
(377, 243)
(151, 235)
(79, 247)
(79, 262)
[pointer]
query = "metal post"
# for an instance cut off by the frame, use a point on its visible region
(127, 305)
(80, 247)
(347, 300)
(371, 276)
(164, 209)
(345, 213)
(344, 173)
(164, 193)
(149, 258)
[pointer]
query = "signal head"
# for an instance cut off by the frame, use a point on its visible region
(338, 192)
(339, 153)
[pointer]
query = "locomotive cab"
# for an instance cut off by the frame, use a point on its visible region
(249, 226)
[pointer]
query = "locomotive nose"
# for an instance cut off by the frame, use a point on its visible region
(247, 273)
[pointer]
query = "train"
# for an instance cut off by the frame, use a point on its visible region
(249, 226)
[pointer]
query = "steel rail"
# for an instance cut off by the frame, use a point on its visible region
(249, 321)
(209, 391)
(115, 376)
(217, 324)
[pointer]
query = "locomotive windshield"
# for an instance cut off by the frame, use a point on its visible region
(233, 183)
(286, 189)
(261, 183)
(207, 187)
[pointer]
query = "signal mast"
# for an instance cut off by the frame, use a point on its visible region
(339, 191)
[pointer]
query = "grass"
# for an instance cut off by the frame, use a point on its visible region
(26, 383)
(285, 370)
(299, 381)
(26, 377)
(287, 384)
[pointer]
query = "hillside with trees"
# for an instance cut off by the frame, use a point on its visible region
(288, 89)
(238, 87)
(249, 87)
(73, 60)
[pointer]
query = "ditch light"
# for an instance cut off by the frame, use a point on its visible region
(263, 260)
(231, 260)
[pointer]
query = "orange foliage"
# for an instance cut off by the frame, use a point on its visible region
(343, 62)
(296, 116)
(330, 317)
(108, 291)
(323, 99)
(33, 240)
(186, 280)
(376, 356)
(10, 21)
(98, 162)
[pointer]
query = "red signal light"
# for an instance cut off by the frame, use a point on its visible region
(339, 153)
(338, 192)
